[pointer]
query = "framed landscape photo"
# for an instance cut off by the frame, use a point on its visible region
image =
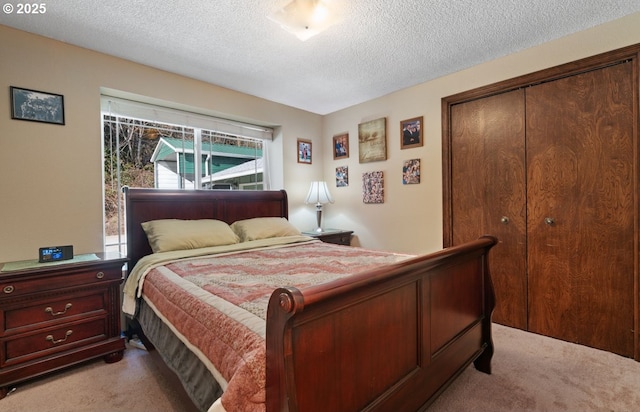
(372, 140)
(304, 151)
(36, 106)
(341, 146)
(411, 133)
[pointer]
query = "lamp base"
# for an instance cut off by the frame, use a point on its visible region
(318, 228)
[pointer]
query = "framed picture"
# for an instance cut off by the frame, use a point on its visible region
(411, 172)
(341, 146)
(372, 140)
(36, 106)
(373, 187)
(304, 151)
(342, 176)
(411, 133)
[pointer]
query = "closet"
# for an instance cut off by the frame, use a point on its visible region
(548, 163)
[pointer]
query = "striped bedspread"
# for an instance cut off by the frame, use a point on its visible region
(216, 304)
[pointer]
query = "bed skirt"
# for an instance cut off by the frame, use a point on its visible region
(197, 380)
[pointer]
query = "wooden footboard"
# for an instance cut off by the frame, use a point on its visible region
(390, 339)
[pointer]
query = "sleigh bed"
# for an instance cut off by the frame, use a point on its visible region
(389, 337)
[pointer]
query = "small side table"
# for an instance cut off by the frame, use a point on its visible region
(335, 236)
(58, 314)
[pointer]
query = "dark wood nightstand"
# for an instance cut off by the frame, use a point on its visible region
(335, 236)
(58, 314)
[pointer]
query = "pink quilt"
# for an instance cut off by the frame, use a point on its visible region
(218, 304)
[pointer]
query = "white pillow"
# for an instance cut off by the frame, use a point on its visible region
(175, 234)
(263, 227)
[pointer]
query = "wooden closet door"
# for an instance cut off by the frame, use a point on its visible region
(580, 195)
(488, 195)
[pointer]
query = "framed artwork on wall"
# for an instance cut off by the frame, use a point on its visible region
(304, 151)
(373, 187)
(411, 172)
(341, 146)
(342, 176)
(36, 106)
(372, 140)
(411, 133)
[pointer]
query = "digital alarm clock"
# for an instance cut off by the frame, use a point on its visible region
(55, 253)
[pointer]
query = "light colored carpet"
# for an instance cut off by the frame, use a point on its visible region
(140, 382)
(530, 373)
(536, 373)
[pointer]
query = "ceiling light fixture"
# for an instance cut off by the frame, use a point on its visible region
(304, 18)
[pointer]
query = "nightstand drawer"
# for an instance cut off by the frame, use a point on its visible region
(50, 311)
(343, 239)
(17, 287)
(52, 340)
(335, 236)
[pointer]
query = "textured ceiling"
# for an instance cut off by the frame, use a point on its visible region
(378, 47)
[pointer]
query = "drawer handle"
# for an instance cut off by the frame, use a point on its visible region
(100, 275)
(49, 309)
(55, 342)
(8, 289)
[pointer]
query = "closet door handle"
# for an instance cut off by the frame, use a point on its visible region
(504, 220)
(549, 221)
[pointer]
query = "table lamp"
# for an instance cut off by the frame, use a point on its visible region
(319, 194)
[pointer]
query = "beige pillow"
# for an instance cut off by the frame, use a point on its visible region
(263, 227)
(176, 234)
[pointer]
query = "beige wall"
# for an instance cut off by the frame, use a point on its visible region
(410, 220)
(51, 186)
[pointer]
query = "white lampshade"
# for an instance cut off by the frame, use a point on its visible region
(319, 193)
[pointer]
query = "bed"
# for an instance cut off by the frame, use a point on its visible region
(391, 336)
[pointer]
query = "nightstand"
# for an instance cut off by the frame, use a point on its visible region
(54, 315)
(335, 236)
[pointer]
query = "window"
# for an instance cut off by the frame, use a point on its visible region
(206, 154)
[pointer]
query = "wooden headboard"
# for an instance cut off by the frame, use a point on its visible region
(143, 205)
